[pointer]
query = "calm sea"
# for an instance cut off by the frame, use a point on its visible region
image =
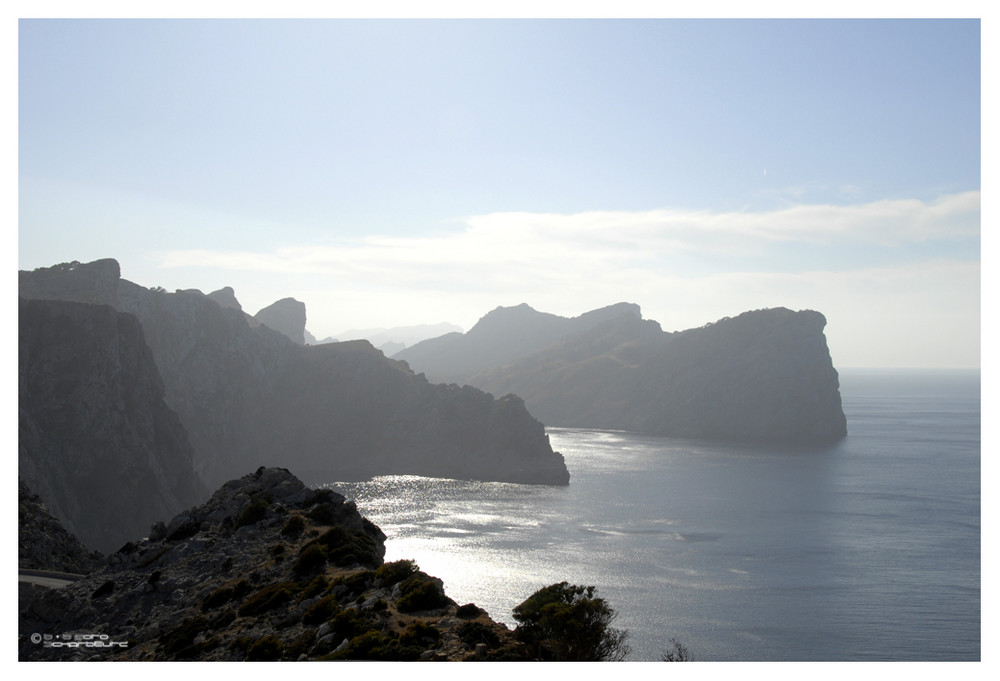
(869, 550)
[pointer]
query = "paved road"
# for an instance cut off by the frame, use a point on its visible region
(47, 578)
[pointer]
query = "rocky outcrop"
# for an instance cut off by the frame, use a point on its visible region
(764, 376)
(248, 396)
(96, 439)
(44, 544)
(286, 316)
(226, 297)
(267, 569)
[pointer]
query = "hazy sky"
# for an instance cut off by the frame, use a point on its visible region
(395, 172)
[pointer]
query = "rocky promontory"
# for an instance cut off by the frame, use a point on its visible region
(248, 396)
(266, 569)
(763, 376)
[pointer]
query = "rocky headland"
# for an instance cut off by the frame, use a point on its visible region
(266, 569)
(763, 376)
(249, 396)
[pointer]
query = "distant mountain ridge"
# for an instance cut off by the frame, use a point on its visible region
(502, 336)
(249, 396)
(763, 376)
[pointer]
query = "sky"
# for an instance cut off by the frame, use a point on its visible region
(398, 172)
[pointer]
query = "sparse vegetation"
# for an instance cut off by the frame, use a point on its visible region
(268, 648)
(472, 633)
(420, 592)
(676, 652)
(224, 594)
(293, 527)
(254, 512)
(268, 598)
(311, 559)
(564, 622)
(321, 611)
(388, 574)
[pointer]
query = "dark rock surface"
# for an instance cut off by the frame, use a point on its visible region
(764, 376)
(248, 396)
(44, 544)
(96, 438)
(267, 569)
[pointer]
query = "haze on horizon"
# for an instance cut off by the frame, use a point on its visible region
(401, 172)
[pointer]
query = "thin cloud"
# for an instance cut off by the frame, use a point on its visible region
(520, 244)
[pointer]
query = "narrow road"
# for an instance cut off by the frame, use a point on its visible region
(47, 578)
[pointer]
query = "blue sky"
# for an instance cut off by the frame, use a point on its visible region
(394, 172)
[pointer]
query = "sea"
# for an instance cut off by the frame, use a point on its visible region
(868, 550)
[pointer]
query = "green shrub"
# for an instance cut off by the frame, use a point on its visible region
(224, 594)
(293, 527)
(270, 597)
(468, 611)
(420, 634)
(420, 592)
(324, 513)
(222, 620)
(179, 642)
(254, 512)
(321, 611)
(357, 582)
(311, 559)
(268, 648)
(375, 645)
(350, 623)
(345, 548)
(565, 622)
(472, 633)
(391, 573)
(319, 584)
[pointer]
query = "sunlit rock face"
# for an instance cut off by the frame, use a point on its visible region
(249, 396)
(763, 376)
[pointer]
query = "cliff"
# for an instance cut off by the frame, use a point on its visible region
(267, 569)
(96, 438)
(764, 376)
(248, 396)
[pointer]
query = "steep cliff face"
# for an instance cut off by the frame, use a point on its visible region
(96, 439)
(764, 376)
(248, 396)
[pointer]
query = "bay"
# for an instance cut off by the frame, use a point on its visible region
(868, 550)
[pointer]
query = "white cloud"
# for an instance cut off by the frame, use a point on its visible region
(568, 264)
(530, 240)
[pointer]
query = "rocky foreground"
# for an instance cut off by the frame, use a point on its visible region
(267, 569)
